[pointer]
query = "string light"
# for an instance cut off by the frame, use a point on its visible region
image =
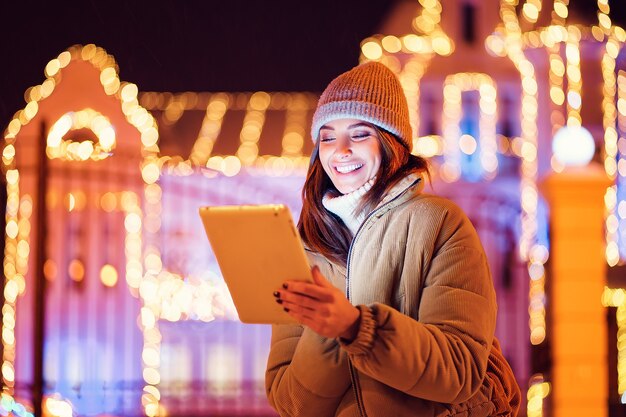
(537, 294)
(252, 126)
(141, 119)
(612, 142)
(58, 407)
(531, 10)
(557, 94)
(614, 238)
(616, 297)
(294, 133)
(534, 254)
(428, 20)
(291, 161)
(560, 12)
(371, 49)
(433, 39)
(538, 390)
(11, 287)
(454, 86)
(19, 209)
(551, 37)
(574, 78)
(603, 16)
(57, 147)
(210, 129)
(148, 291)
(428, 146)
(410, 78)
(9, 406)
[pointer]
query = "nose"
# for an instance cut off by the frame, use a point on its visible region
(343, 150)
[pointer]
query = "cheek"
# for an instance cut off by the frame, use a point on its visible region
(323, 158)
(377, 163)
(376, 158)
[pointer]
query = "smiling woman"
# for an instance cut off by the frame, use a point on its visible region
(402, 289)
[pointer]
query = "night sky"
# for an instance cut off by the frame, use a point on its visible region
(198, 45)
(189, 45)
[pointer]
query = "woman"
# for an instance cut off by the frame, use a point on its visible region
(400, 319)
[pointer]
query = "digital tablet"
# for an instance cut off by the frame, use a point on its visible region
(257, 248)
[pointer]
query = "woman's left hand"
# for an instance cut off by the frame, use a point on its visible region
(320, 306)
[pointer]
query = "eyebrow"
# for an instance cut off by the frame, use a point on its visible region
(352, 126)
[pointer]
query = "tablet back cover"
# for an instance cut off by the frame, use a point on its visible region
(257, 249)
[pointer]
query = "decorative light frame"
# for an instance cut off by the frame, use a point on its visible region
(453, 87)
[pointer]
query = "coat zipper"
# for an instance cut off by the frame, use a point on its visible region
(349, 260)
(353, 373)
(356, 388)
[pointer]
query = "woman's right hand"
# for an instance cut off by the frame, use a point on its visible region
(320, 306)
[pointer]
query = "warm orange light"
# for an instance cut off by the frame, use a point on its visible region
(108, 202)
(76, 270)
(50, 270)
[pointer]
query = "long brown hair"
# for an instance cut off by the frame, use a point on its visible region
(323, 231)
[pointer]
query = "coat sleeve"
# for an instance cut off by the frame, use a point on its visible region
(442, 354)
(307, 374)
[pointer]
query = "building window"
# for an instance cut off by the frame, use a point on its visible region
(176, 365)
(468, 16)
(224, 369)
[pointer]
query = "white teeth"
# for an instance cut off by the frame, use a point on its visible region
(348, 168)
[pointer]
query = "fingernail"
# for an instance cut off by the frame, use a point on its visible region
(286, 309)
(276, 294)
(279, 301)
(285, 285)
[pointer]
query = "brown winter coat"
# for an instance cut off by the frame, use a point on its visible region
(425, 346)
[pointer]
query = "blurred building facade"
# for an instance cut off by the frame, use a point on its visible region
(113, 302)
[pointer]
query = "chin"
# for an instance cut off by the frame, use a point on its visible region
(347, 189)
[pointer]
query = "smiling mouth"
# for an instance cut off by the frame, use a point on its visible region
(345, 169)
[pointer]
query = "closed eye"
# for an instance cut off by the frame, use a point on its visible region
(361, 135)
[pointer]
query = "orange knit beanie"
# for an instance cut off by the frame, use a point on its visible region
(369, 92)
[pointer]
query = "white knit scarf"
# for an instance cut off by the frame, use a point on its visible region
(344, 206)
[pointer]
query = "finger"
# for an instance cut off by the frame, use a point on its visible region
(308, 290)
(319, 278)
(300, 300)
(295, 315)
(300, 311)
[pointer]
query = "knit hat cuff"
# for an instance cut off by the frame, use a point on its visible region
(360, 110)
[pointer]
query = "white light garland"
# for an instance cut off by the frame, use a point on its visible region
(58, 147)
(454, 86)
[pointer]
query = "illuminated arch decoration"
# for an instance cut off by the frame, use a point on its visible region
(19, 208)
(57, 147)
(455, 141)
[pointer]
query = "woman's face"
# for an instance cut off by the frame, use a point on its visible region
(349, 151)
